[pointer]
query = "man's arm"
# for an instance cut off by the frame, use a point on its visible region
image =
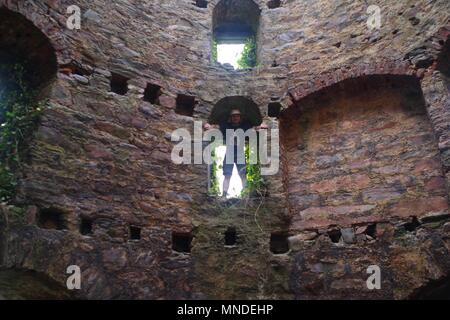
(209, 126)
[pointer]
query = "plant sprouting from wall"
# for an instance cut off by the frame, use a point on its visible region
(214, 189)
(214, 51)
(255, 182)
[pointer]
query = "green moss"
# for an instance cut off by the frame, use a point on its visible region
(214, 51)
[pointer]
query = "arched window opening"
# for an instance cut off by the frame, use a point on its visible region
(240, 178)
(28, 66)
(235, 33)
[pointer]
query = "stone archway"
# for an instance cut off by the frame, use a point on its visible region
(361, 150)
(23, 43)
(248, 108)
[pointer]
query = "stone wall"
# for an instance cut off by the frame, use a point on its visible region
(362, 151)
(105, 157)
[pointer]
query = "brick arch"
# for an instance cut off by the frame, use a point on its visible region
(248, 107)
(335, 76)
(24, 44)
(50, 28)
(368, 138)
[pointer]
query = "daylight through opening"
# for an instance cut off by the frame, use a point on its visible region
(235, 33)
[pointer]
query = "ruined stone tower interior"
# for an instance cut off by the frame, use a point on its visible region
(364, 130)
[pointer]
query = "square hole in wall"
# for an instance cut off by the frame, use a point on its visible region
(230, 237)
(119, 84)
(51, 218)
(335, 235)
(181, 242)
(135, 233)
(274, 109)
(152, 93)
(86, 226)
(279, 243)
(273, 4)
(201, 3)
(185, 105)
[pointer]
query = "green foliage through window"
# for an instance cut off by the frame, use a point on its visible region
(248, 57)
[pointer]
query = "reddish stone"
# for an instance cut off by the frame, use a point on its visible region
(436, 184)
(167, 101)
(98, 152)
(351, 182)
(428, 165)
(419, 207)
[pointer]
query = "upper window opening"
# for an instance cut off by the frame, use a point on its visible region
(201, 3)
(273, 4)
(135, 233)
(235, 31)
(279, 243)
(86, 226)
(230, 237)
(28, 68)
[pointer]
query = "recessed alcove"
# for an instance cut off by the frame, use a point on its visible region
(230, 237)
(86, 226)
(52, 219)
(185, 105)
(361, 149)
(181, 242)
(119, 84)
(152, 93)
(279, 243)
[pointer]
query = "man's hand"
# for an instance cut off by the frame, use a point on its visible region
(263, 126)
(208, 126)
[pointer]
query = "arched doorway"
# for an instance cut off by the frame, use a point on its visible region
(220, 115)
(28, 66)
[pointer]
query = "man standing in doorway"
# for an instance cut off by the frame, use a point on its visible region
(234, 123)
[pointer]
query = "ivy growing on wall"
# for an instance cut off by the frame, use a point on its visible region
(214, 189)
(248, 57)
(214, 51)
(19, 113)
(255, 182)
